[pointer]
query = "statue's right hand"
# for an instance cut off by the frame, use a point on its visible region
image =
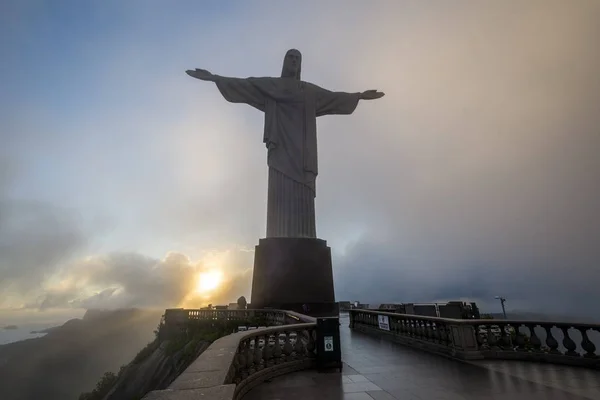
(201, 74)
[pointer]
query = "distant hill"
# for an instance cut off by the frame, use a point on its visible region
(69, 359)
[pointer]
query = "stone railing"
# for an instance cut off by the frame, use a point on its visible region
(178, 320)
(274, 317)
(265, 353)
(236, 363)
(554, 342)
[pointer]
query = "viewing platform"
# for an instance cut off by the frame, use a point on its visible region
(391, 356)
(376, 368)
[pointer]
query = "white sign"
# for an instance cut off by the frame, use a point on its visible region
(384, 322)
(328, 343)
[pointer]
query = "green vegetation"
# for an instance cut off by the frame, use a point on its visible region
(146, 352)
(187, 344)
(102, 387)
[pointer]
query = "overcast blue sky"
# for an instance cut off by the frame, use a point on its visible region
(477, 175)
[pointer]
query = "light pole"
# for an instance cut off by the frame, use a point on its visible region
(502, 300)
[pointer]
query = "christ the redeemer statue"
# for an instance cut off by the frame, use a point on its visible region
(291, 108)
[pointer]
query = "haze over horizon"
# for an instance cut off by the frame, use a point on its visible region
(125, 183)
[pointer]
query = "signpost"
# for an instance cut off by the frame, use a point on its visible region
(328, 343)
(384, 322)
(329, 353)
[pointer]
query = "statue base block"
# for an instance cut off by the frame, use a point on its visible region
(294, 274)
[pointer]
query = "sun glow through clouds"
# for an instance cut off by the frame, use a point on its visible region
(208, 281)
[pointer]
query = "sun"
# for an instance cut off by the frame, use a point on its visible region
(208, 281)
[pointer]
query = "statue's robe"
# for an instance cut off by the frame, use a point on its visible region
(291, 109)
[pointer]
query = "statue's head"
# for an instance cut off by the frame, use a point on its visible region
(292, 64)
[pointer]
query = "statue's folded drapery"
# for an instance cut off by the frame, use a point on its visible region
(291, 108)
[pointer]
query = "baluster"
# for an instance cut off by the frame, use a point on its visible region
(481, 334)
(422, 329)
(431, 329)
(243, 374)
(403, 328)
(250, 357)
(505, 338)
(520, 339)
(287, 347)
(445, 334)
(258, 353)
(569, 343)
(429, 335)
(435, 333)
(277, 351)
(268, 352)
(425, 330)
(237, 376)
(416, 328)
(441, 337)
(413, 328)
(587, 344)
(551, 341)
(534, 340)
(492, 340)
(299, 351)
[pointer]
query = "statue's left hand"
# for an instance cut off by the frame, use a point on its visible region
(201, 74)
(371, 95)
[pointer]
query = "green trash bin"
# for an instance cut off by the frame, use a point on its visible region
(329, 352)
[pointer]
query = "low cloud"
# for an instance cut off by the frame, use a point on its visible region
(122, 280)
(36, 237)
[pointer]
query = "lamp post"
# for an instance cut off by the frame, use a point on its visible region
(502, 300)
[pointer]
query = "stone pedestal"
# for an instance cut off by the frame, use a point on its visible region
(290, 273)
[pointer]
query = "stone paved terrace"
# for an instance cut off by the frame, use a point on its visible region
(379, 369)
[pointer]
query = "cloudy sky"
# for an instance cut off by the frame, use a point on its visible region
(122, 179)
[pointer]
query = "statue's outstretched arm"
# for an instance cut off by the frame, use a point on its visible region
(234, 90)
(329, 102)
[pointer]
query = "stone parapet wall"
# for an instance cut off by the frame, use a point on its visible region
(542, 341)
(236, 363)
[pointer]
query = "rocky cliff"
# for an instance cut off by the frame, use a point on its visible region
(156, 370)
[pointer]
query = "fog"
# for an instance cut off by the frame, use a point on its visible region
(476, 175)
